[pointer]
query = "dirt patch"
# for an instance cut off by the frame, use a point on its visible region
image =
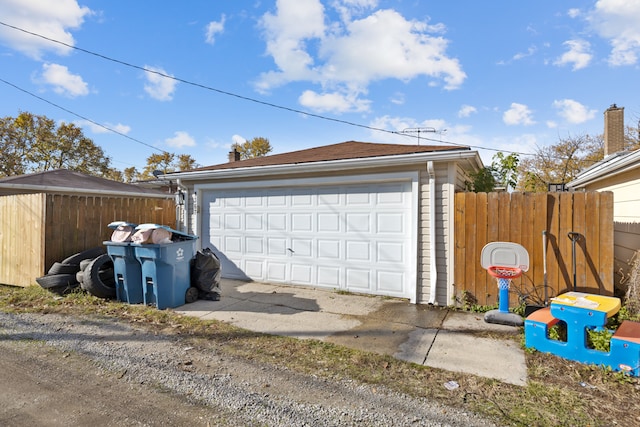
(45, 386)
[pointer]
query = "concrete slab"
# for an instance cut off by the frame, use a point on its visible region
(473, 322)
(432, 336)
(493, 358)
(417, 346)
(279, 320)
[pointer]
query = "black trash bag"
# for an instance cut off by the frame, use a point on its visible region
(205, 274)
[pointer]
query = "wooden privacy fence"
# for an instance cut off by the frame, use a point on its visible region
(481, 218)
(37, 230)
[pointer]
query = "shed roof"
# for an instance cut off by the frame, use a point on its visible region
(66, 181)
(341, 151)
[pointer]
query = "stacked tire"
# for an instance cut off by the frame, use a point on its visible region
(92, 270)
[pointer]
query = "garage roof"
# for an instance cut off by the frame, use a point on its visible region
(342, 151)
(66, 181)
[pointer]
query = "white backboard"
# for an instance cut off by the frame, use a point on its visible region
(504, 254)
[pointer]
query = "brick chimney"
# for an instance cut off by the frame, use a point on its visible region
(613, 130)
(234, 156)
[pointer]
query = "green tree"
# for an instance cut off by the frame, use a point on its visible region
(158, 162)
(481, 181)
(503, 171)
(185, 162)
(130, 174)
(32, 143)
(165, 162)
(13, 150)
(559, 163)
(257, 147)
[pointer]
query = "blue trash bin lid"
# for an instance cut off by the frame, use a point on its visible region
(115, 224)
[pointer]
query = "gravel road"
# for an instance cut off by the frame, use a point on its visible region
(71, 371)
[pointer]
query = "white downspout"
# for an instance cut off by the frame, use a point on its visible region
(184, 207)
(433, 271)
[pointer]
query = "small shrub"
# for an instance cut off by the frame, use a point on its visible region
(599, 339)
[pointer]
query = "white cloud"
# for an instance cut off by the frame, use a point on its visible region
(574, 13)
(617, 21)
(123, 129)
(214, 28)
(573, 111)
(237, 139)
(348, 8)
(181, 139)
(63, 82)
(158, 86)
(518, 114)
(398, 98)
(530, 52)
(385, 45)
(466, 111)
(578, 54)
(52, 19)
(346, 56)
(335, 102)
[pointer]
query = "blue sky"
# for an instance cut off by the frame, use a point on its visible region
(498, 75)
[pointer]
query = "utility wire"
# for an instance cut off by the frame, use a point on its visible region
(82, 117)
(242, 97)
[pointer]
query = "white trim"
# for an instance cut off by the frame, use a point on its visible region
(605, 171)
(413, 177)
(331, 165)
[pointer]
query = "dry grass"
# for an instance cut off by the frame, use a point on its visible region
(559, 392)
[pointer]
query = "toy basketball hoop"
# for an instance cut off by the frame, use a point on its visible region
(504, 261)
(501, 272)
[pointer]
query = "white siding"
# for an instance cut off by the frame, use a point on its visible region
(626, 217)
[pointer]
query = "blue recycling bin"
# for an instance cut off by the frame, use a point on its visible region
(166, 272)
(127, 271)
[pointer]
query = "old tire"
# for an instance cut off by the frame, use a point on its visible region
(84, 263)
(58, 283)
(98, 277)
(80, 277)
(191, 295)
(88, 254)
(62, 268)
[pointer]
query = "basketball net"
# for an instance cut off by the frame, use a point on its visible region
(504, 275)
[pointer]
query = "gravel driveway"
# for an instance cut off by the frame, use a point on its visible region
(63, 371)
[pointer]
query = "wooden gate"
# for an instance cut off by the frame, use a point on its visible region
(481, 218)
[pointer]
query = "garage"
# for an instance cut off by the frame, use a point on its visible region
(362, 217)
(354, 236)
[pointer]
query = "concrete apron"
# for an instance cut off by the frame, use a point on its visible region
(430, 336)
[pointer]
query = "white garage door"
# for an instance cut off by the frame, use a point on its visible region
(352, 237)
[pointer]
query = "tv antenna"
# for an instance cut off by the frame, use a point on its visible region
(419, 131)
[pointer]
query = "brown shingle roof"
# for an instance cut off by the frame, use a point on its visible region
(74, 181)
(341, 151)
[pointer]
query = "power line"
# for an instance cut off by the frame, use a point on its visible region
(242, 97)
(82, 117)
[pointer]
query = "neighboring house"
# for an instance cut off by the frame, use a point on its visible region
(618, 172)
(62, 181)
(361, 217)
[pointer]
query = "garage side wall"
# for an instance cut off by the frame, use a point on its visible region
(444, 187)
